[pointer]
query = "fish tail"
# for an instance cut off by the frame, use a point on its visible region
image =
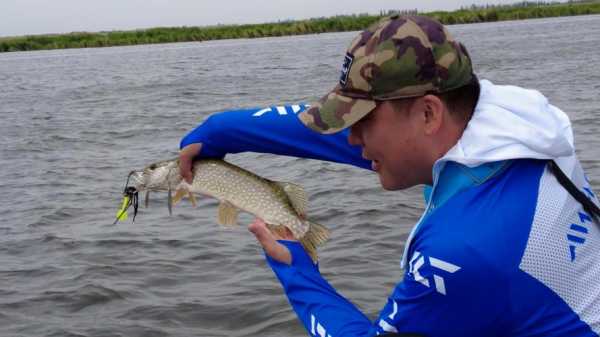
(317, 235)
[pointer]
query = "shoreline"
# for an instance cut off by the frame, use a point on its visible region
(473, 14)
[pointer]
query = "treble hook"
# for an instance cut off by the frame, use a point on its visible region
(130, 197)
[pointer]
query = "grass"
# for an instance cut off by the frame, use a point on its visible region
(473, 14)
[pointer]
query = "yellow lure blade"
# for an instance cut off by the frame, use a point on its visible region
(122, 212)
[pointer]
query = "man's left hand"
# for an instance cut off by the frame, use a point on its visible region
(268, 240)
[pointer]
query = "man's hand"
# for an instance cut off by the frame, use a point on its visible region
(269, 242)
(186, 159)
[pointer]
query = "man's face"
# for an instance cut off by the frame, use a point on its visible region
(391, 136)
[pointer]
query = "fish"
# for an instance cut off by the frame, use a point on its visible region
(282, 205)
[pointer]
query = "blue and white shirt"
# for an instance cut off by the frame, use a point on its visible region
(502, 249)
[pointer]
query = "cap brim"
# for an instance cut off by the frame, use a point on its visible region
(335, 112)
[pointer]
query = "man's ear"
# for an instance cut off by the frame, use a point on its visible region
(433, 113)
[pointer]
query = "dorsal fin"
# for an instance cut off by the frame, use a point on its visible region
(296, 195)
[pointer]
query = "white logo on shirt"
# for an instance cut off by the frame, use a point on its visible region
(418, 261)
(317, 328)
(281, 110)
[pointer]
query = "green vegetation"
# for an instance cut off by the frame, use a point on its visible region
(519, 11)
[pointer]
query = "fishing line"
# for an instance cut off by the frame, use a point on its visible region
(588, 205)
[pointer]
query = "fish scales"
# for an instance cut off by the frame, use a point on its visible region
(281, 205)
(246, 191)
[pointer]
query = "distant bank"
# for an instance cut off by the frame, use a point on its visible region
(474, 14)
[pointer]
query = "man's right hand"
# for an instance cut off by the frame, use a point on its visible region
(186, 159)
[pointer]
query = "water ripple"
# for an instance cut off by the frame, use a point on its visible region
(75, 122)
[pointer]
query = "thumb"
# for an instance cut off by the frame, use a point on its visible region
(267, 240)
(186, 159)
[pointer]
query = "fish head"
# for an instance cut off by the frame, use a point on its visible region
(159, 176)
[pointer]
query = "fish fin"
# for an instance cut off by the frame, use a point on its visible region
(146, 199)
(192, 198)
(296, 195)
(310, 249)
(228, 214)
(179, 194)
(305, 241)
(317, 234)
(170, 202)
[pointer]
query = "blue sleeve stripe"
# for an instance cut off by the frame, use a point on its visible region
(579, 228)
(575, 239)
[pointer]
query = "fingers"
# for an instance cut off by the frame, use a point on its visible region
(269, 242)
(284, 234)
(186, 159)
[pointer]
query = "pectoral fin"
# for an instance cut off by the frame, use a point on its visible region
(170, 202)
(192, 198)
(183, 190)
(179, 194)
(228, 214)
(297, 197)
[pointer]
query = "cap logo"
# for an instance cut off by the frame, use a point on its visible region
(348, 59)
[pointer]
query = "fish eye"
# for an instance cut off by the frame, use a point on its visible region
(152, 167)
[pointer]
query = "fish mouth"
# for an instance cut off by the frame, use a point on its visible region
(134, 183)
(137, 180)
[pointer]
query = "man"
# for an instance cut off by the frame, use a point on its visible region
(508, 244)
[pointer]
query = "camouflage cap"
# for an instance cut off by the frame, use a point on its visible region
(398, 57)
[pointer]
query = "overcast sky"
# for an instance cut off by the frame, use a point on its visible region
(21, 17)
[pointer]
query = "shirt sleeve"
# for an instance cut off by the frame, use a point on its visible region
(435, 298)
(274, 130)
(322, 311)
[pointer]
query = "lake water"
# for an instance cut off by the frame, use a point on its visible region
(75, 122)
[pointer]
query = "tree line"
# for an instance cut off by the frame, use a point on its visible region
(472, 14)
